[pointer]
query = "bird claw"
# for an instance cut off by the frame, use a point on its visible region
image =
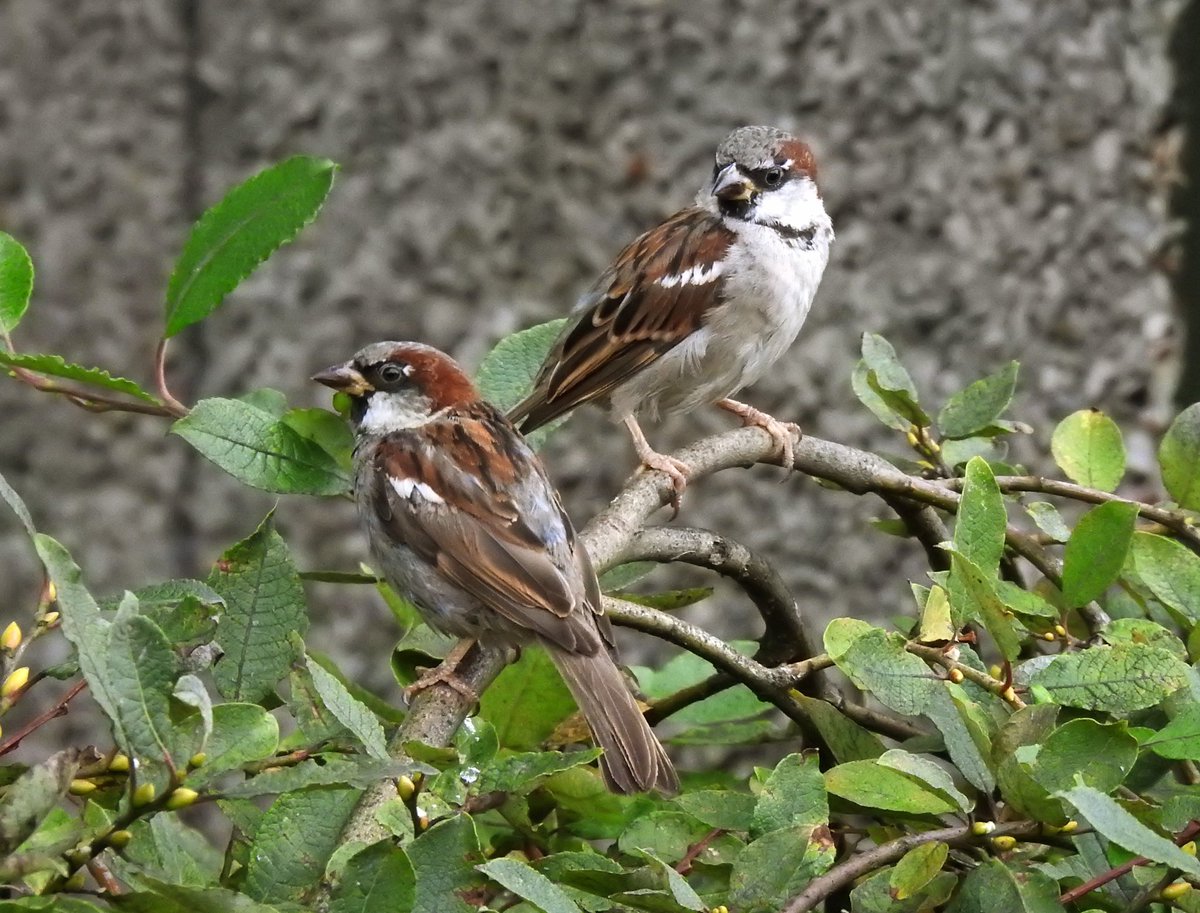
(676, 470)
(440, 675)
(781, 432)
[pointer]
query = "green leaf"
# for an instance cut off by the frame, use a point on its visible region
(507, 373)
(980, 404)
(880, 358)
(873, 784)
(9, 494)
(687, 669)
(327, 430)
(846, 739)
(1118, 679)
(1114, 822)
(264, 605)
(918, 867)
(982, 520)
(233, 237)
(1087, 446)
(1101, 755)
(681, 892)
(16, 282)
(671, 600)
(260, 450)
(57, 366)
(532, 885)
(332, 770)
(1143, 631)
(1179, 458)
(1180, 738)
(522, 772)
(927, 772)
(793, 794)
(158, 897)
(981, 601)
(379, 879)
(667, 833)
(296, 837)
(995, 888)
(876, 661)
(1170, 570)
(445, 859)
(861, 384)
(1029, 726)
(350, 712)
(165, 848)
(33, 796)
(776, 866)
(720, 808)
(1096, 551)
(1049, 520)
(242, 733)
(142, 671)
(527, 701)
(623, 575)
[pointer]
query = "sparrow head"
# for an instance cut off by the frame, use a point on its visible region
(766, 176)
(394, 385)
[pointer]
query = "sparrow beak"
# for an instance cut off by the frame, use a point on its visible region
(731, 186)
(344, 378)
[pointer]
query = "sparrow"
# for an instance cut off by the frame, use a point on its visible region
(701, 306)
(462, 519)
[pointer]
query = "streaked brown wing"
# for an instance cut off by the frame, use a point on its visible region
(483, 512)
(653, 297)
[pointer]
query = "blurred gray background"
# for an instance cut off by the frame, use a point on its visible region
(999, 175)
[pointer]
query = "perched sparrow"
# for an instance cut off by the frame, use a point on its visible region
(463, 521)
(702, 305)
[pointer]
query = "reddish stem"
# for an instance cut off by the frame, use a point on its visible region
(1124, 869)
(59, 709)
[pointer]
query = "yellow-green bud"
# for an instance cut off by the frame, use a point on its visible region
(197, 760)
(956, 676)
(1176, 890)
(405, 787)
(81, 787)
(1060, 630)
(1009, 695)
(1070, 827)
(50, 619)
(11, 638)
(119, 764)
(182, 798)
(1189, 847)
(981, 828)
(16, 680)
(144, 794)
(75, 882)
(423, 822)
(119, 839)
(913, 440)
(1004, 843)
(995, 672)
(1049, 636)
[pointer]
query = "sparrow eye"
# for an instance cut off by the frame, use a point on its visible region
(391, 373)
(773, 178)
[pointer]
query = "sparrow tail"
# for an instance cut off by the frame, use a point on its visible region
(633, 760)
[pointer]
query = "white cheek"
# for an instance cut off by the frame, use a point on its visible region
(797, 204)
(405, 488)
(387, 412)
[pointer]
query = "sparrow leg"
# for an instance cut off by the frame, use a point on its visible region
(445, 674)
(676, 470)
(781, 432)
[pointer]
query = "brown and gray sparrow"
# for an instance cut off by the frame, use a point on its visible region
(462, 519)
(701, 306)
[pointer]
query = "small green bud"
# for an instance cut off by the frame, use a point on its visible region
(182, 798)
(81, 787)
(143, 795)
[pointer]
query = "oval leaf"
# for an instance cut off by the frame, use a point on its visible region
(1118, 679)
(1171, 571)
(979, 405)
(507, 372)
(235, 236)
(874, 785)
(1096, 551)
(16, 282)
(1179, 458)
(1087, 445)
(256, 448)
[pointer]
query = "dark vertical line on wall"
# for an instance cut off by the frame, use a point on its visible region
(1184, 174)
(189, 352)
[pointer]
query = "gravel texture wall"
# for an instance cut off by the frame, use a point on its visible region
(987, 166)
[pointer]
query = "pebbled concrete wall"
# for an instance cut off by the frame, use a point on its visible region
(987, 167)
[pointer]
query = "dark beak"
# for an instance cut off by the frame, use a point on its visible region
(344, 378)
(731, 186)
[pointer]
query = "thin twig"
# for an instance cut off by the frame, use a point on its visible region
(160, 380)
(57, 710)
(1125, 868)
(941, 658)
(88, 399)
(684, 865)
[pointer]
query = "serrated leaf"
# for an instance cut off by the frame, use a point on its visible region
(876, 661)
(165, 848)
(526, 701)
(981, 522)
(522, 772)
(1118, 679)
(979, 405)
(532, 885)
(1179, 458)
(1170, 570)
(57, 366)
(937, 625)
(980, 600)
(1096, 551)
(872, 784)
(260, 450)
(33, 795)
(379, 879)
(773, 868)
(1087, 446)
(335, 770)
(350, 712)
(16, 282)
(793, 794)
(1100, 754)
(918, 867)
(191, 691)
(445, 859)
(719, 808)
(507, 372)
(241, 733)
(1118, 825)
(237, 234)
(264, 605)
(294, 840)
(327, 430)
